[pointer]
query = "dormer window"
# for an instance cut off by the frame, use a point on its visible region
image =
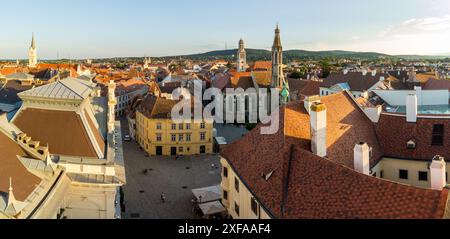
(411, 144)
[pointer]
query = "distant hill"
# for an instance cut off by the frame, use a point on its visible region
(259, 54)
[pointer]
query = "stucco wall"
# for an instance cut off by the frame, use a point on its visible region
(390, 168)
(242, 198)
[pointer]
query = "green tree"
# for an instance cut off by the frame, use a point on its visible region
(326, 67)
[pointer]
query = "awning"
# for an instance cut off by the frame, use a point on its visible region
(208, 194)
(212, 208)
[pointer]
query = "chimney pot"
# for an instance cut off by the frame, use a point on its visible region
(362, 158)
(411, 108)
(318, 116)
(438, 173)
(309, 101)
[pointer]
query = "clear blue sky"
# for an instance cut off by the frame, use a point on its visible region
(106, 28)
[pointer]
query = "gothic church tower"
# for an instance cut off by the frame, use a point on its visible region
(278, 80)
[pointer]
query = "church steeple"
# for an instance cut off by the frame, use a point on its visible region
(32, 53)
(11, 199)
(33, 42)
(277, 40)
(277, 61)
(242, 57)
(278, 80)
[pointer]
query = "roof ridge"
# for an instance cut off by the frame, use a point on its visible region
(67, 87)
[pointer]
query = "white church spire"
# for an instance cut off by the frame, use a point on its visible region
(32, 53)
(11, 198)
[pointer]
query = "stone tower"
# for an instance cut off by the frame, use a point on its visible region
(277, 61)
(32, 54)
(242, 57)
(278, 80)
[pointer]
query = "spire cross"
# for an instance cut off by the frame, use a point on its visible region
(10, 185)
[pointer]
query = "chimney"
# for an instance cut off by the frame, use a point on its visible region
(112, 102)
(362, 158)
(309, 101)
(411, 108)
(318, 117)
(438, 176)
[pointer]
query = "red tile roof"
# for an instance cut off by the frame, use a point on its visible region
(356, 80)
(324, 188)
(242, 80)
(319, 188)
(262, 65)
(304, 87)
(394, 132)
(434, 84)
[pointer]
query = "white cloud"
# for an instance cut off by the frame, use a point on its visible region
(414, 36)
(419, 26)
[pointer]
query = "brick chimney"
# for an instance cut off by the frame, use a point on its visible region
(438, 176)
(362, 158)
(411, 108)
(318, 117)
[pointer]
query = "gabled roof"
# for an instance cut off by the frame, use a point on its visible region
(69, 88)
(156, 107)
(242, 80)
(321, 189)
(434, 84)
(394, 133)
(290, 182)
(304, 87)
(356, 80)
(262, 65)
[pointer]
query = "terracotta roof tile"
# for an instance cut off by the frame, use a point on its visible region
(324, 188)
(356, 80)
(434, 84)
(394, 133)
(262, 65)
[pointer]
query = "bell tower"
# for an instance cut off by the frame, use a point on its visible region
(242, 57)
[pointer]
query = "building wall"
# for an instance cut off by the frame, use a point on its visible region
(147, 132)
(124, 98)
(242, 198)
(389, 168)
(85, 201)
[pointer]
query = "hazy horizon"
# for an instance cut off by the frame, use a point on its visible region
(137, 28)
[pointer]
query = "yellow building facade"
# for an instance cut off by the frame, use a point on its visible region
(163, 137)
(237, 198)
